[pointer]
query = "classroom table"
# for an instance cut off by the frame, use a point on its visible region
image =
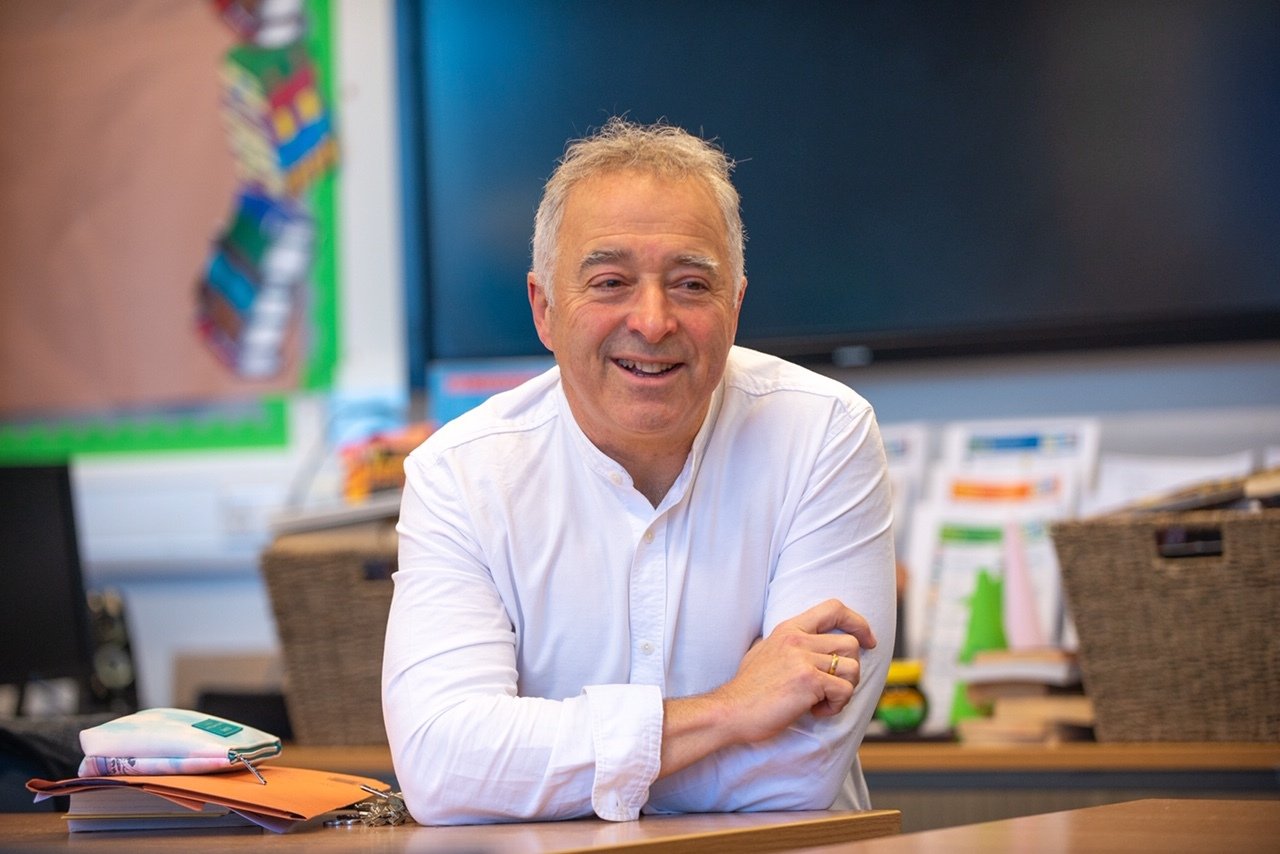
(1165, 825)
(721, 833)
(938, 785)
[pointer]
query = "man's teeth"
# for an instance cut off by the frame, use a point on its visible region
(644, 367)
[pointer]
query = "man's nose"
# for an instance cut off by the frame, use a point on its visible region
(651, 313)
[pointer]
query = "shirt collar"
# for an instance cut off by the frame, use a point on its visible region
(605, 466)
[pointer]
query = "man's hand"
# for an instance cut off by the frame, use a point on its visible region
(809, 663)
(787, 674)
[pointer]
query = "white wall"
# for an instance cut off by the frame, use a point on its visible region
(1193, 377)
(179, 535)
(1194, 400)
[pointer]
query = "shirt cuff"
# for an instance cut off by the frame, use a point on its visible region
(626, 731)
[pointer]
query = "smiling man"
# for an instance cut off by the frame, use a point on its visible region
(651, 579)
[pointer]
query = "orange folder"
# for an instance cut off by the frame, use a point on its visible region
(290, 796)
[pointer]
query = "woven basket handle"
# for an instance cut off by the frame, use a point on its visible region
(1183, 541)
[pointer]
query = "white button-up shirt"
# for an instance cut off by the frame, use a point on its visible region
(543, 608)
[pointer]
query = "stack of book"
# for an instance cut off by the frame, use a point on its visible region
(127, 808)
(1027, 696)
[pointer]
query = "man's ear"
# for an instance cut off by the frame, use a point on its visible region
(540, 306)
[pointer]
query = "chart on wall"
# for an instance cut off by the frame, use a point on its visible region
(167, 239)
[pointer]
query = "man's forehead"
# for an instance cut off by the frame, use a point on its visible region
(605, 211)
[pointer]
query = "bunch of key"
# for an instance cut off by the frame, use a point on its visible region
(382, 808)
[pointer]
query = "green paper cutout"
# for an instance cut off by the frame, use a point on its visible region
(985, 631)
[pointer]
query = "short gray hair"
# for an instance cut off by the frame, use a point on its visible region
(661, 149)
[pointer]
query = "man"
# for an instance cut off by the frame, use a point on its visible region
(624, 585)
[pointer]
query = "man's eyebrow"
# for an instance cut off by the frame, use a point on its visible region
(603, 256)
(701, 262)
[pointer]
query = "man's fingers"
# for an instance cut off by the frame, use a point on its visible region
(833, 615)
(843, 666)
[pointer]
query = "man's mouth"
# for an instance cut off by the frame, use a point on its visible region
(646, 369)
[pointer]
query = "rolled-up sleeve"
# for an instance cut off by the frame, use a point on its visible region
(626, 730)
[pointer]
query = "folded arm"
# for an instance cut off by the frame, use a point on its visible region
(743, 745)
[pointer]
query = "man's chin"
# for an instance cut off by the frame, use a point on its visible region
(658, 422)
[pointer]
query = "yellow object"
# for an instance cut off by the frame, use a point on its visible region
(905, 671)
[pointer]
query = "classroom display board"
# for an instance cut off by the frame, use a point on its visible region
(916, 180)
(125, 194)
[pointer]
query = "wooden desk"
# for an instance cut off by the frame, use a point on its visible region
(1166, 826)
(726, 833)
(942, 785)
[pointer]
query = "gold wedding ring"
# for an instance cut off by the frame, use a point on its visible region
(835, 662)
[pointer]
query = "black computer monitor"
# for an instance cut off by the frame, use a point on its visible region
(44, 621)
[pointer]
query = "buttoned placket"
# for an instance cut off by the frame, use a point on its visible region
(647, 583)
(649, 578)
(649, 605)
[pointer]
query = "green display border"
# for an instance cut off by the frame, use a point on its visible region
(260, 423)
(263, 423)
(322, 364)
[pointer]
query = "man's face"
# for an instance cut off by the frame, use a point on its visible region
(645, 311)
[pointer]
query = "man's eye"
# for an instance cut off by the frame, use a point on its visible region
(608, 284)
(693, 285)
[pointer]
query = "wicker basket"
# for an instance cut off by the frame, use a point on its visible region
(331, 592)
(1177, 648)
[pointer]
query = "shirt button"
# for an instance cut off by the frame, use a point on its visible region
(646, 648)
(648, 536)
(616, 478)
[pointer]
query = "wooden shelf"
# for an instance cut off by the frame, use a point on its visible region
(1071, 756)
